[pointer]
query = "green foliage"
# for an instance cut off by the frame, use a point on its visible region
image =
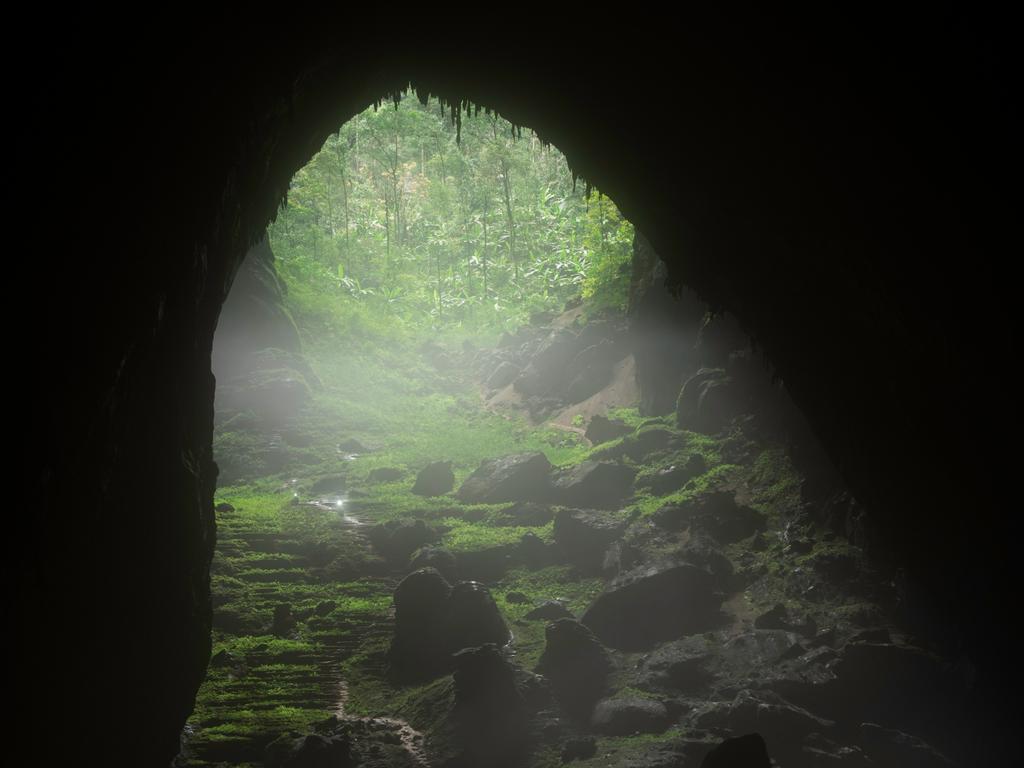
(396, 217)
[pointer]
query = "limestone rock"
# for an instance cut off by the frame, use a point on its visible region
(654, 603)
(584, 535)
(576, 664)
(518, 477)
(595, 484)
(435, 479)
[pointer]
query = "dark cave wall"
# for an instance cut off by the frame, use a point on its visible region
(811, 184)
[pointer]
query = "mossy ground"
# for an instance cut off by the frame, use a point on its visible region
(409, 405)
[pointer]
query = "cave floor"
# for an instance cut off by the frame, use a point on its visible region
(302, 585)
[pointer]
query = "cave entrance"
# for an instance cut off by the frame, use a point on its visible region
(437, 291)
(483, 475)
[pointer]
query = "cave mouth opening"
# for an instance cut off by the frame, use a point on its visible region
(436, 291)
(480, 468)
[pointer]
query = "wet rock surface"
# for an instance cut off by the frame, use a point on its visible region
(520, 477)
(435, 479)
(585, 535)
(654, 603)
(434, 620)
(576, 664)
(594, 484)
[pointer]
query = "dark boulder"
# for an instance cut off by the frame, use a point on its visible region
(419, 644)
(596, 484)
(435, 479)
(628, 715)
(584, 535)
(654, 603)
(534, 553)
(601, 429)
(518, 477)
(396, 540)
(472, 618)
(576, 664)
(747, 751)
(485, 681)
(715, 513)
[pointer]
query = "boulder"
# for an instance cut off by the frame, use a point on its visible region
(585, 534)
(534, 553)
(595, 484)
(654, 603)
(601, 429)
(519, 477)
(628, 715)
(715, 513)
(576, 664)
(420, 645)
(396, 540)
(472, 618)
(435, 479)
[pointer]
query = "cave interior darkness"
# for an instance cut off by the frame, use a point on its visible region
(838, 190)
